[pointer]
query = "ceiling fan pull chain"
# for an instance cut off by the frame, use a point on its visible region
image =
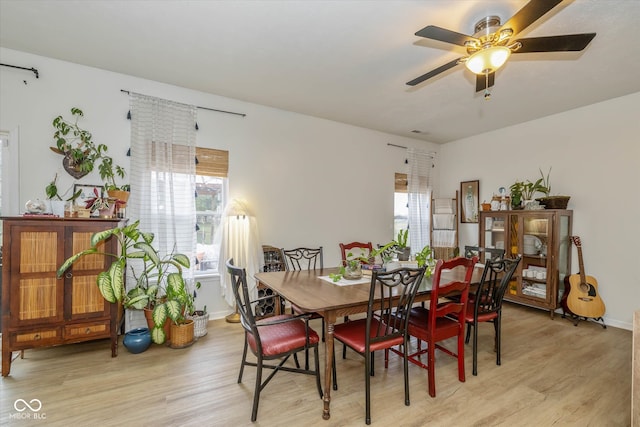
(487, 94)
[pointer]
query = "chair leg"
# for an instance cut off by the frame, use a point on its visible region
(335, 373)
(367, 385)
(406, 371)
(498, 326)
(468, 332)
(372, 363)
(256, 393)
(460, 355)
(475, 349)
(295, 359)
(244, 360)
(431, 368)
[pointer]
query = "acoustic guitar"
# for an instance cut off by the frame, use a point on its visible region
(581, 296)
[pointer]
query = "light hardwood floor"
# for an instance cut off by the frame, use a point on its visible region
(552, 373)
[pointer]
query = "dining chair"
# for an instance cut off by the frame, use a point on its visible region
(390, 294)
(478, 251)
(487, 306)
(345, 248)
(443, 319)
(273, 338)
(304, 259)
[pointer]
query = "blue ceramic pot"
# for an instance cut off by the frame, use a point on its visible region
(137, 340)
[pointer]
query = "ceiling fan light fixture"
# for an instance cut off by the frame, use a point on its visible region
(488, 60)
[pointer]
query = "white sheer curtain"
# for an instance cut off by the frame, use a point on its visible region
(162, 173)
(419, 197)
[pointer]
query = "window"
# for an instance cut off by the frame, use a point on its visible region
(211, 198)
(400, 204)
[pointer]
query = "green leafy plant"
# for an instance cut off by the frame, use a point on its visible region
(51, 190)
(75, 142)
(78, 145)
(545, 182)
(402, 238)
(160, 280)
(423, 256)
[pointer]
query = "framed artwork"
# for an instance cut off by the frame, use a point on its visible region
(469, 205)
(87, 192)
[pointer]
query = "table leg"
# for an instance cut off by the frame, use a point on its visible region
(329, 321)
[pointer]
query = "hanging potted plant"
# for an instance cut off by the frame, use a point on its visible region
(76, 145)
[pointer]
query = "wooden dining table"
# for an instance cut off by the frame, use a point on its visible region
(308, 290)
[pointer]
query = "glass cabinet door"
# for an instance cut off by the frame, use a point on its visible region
(534, 239)
(495, 232)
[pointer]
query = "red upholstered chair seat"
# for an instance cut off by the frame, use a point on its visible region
(351, 334)
(281, 337)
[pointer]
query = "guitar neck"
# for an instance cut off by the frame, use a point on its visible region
(583, 278)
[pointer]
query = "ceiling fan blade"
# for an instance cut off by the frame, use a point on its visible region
(481, 81)
(565, 43)
(530, 13)
(444, 35)
(434, 72)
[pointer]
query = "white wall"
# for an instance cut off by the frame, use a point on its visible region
(316, 182)
(310, 181)
(594, 153)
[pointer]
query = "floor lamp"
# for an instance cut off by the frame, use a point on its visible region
(240, 241)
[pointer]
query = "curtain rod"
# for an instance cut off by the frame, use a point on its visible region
(431, 153)
(202, 108)
(33, 70)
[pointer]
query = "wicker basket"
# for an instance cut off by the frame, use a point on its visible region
(554, 202)
(182, 335)
(200, 321)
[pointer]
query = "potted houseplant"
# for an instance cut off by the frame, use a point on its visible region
(81, 153)
(55, 198)
(176, 305)
(134, 245)
(404, 251)
(76, 145)
(548, 201)
(103, 206)
(522, 192)
(108, 173)
(200, 320)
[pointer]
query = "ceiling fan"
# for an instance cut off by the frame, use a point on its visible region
(492, 44)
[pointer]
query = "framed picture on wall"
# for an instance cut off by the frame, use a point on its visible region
(469, 205)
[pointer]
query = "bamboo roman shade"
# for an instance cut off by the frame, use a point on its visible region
(401, 183)
(212, 162)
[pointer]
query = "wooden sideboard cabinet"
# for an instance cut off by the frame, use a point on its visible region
(38, 308)
(542, 238)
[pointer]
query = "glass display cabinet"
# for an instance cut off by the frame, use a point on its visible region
(542, 238)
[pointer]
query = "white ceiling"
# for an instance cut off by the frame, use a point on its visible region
(341, 60)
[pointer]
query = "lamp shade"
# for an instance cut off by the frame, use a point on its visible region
(488, 60)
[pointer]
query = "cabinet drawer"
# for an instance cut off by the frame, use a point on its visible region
(81, 331)
(36, 337)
